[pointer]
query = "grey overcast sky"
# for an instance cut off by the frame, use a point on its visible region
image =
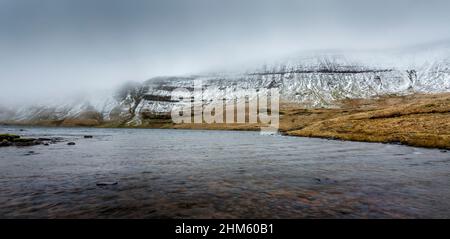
(60, 46)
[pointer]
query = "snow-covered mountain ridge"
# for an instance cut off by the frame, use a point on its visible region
(314, 81)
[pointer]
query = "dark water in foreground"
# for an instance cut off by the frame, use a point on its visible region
(218, 174)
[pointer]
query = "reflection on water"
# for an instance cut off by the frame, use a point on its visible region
(218, 174)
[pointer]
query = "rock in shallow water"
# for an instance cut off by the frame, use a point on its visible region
(29, 153)
(44, 139)
(106, 183)
(25, 142)
(5, 143)
(16, 140)
(8, 137)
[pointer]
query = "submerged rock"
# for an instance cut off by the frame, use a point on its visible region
(44, 139)
(325, 181)
(57, 139)
(106, 183)
(30, 153)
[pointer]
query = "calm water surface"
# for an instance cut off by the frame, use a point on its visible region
(218, 174)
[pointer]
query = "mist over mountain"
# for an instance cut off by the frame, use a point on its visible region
(56, 50)
(312, 78)
(60, 58)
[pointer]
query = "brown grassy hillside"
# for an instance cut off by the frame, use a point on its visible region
(417, 120)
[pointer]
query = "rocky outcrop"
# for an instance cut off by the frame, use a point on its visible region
(16, 140)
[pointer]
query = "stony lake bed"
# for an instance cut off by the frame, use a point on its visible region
(166, 173)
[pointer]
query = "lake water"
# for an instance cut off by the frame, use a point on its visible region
(218, 174)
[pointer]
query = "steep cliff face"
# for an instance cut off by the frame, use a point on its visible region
(313, 84)
(312, 81)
